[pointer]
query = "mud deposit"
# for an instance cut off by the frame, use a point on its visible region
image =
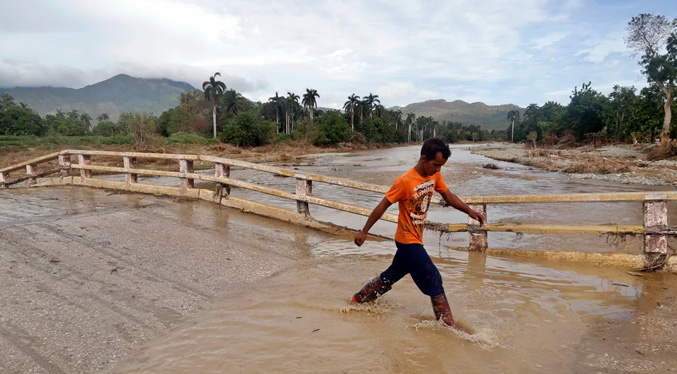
(87, 276)
(96, 282)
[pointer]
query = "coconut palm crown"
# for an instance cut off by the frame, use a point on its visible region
(310, 101)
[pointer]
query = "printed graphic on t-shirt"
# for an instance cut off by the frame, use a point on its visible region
(420, 201)
(413, 193)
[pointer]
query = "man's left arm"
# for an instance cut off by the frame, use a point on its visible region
(457, 203)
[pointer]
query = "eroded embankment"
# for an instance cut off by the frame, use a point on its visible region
(617, 163)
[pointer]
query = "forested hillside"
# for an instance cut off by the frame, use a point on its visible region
(119, 94)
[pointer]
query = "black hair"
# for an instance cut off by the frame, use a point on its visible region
(434, 145)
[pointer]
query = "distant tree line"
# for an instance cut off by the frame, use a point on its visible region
(237, 120)
(623, 115)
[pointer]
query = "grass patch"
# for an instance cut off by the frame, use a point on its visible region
(189, 138)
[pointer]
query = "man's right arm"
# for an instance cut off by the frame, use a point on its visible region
(381, 208)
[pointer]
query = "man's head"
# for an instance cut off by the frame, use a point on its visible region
(434, 154)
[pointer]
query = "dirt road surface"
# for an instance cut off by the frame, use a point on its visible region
(87, 276)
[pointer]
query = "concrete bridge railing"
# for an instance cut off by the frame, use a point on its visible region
(80, 172)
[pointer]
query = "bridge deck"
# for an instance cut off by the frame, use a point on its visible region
(88, 276)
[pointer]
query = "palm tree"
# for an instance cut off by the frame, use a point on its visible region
(310, 101)
(397, 114)
(277, 101)
(351, 103)
(363, 108)
(379, 109)
(231, 101)
(103, 117)
(370, 100)
(292, 103)
(74, 115)
(411, 119)
(212, 89)
(87, 120)
(512, 116)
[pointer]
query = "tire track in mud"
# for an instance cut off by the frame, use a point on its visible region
(72, 279)
(37, 274)
(83, 286)
(252, 237)
(21, 340)
(100, 247)
(79, 276)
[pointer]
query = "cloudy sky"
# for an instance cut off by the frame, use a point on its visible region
(495, 51)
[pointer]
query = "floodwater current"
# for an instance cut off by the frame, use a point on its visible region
(528, 316)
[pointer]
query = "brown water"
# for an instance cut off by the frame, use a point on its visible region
(528, 316)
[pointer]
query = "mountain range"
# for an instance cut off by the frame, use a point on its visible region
(113, 96)
(123, 93)
(491, 117)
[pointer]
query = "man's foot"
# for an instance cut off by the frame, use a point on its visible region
(375, 288)
(443, 312)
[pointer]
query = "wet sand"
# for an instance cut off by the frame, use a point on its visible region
(87, 276)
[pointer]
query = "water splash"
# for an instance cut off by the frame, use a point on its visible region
(484, 337)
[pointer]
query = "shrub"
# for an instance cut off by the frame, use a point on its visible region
(357, 138)
(142, 126)
(333, 129)
(282, 138)
(248, 129)
(108, 128)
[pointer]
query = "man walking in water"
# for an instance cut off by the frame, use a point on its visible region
(413, 191)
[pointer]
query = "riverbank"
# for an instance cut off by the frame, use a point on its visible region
(288, 152)
(621, 163)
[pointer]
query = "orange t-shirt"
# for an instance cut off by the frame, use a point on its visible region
(413, 192)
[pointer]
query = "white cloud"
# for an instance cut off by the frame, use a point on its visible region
(548, 40)
(402, 93)
(402, 50)
(598, 50)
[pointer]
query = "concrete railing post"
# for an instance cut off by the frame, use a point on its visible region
(65, 164)
(129, 163)
(303, 188)
(477, 239)
(32, 171)
(222, 189)
(84, 160)
(186, 167)
(656, 218)
(4, 178)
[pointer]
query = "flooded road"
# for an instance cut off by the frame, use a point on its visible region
(265, 296)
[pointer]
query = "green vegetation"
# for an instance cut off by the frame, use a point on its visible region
(623, 115)
(249, 129)
(656, 38)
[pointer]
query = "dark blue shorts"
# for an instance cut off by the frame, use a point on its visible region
(413, 259)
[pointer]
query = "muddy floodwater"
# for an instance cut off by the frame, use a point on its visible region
(115, 283)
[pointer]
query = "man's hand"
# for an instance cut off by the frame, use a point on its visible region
(360, 237)
(477, 216)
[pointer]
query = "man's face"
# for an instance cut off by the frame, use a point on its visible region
(431, 167)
